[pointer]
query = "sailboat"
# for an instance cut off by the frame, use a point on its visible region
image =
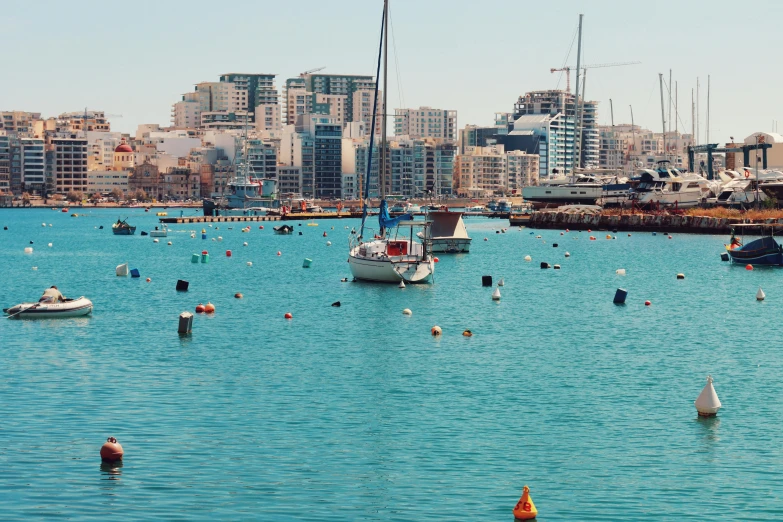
(385, 258)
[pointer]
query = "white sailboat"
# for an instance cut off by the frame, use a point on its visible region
(385, 258)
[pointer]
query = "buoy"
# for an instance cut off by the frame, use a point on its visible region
(501, 282)
(496, 294)
(655, 233)
(707, 403)
(344, 280)
(185, 323)
(545, 265)
(670, 237)
(195, 258)
(209, 308)
(629, 235)
(486, 280)
(213, 239)
(724, 256)
(182, 285)
(35, 268)
(199, 308)
(43, 224)
(328, 243)
(760, 295)
(261, 227)
(407, 311)
(620, 295)
(220, 238)
(620, 271)
(436, 331)
(111, 451)
(156, 240)
(278, 253)
(567, 254)
(122, 270)
(134, 272)
(28, 250)
(435, 260)
(228, 253)
(401, 285)
(324, 233)
(249, 263)
(561, 233)
(592, 238)
(203, 230)
(589, 230)
(467, 333)
(244, 244)
(203, 236)
(538, 237)
(31, 242)
(193, 236)
(149, 280)
(556, 267)
(288, 315)
(525, 509)
(554, 245)
(528, 258)
(568, 230)
(306, 263)
(238, 295)
(647, 303)
(485, 239)
(204, 257)
(169, 243)
(680, 276)
(608, 236)
(747, 267)
(337, 304)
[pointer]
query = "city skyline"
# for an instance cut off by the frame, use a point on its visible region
(449, 55)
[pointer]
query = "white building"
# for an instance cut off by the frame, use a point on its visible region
(486, 171)
(629, 148)
(186, 113)
(425, 122)
(104, 181)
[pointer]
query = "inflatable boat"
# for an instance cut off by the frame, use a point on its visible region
(68, 308)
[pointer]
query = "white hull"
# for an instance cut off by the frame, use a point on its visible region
(74, 308)
(158, 233)
(384, 269)
(669, 199)
(450, 245)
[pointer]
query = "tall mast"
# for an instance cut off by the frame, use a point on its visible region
(633, 127)
(663, 118)
(693, 119)
(708, 108)
(676, 105)
(575, 162)
(669, 88)
(698, 114)
(382, 175)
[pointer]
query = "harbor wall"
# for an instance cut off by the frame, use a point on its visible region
(639, 222)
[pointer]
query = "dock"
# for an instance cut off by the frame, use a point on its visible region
(298, 216)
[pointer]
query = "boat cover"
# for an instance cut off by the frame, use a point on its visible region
(448, 224)
(386, 221)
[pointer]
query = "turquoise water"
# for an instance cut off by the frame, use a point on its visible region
(356, 412)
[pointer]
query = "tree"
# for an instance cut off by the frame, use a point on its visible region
(26, 199)
(140, 196)
(74, 197)
(117, 194)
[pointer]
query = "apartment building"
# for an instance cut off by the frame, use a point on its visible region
(426, 122)
(69, 167)
(487, 171)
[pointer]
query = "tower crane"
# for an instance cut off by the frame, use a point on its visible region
(567, 69)
(313, 70)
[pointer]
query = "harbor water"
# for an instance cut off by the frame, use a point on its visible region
(356, 412)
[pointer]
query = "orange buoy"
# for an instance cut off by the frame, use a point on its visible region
(239, 295)
(111, 451)
(647, 303)
(670, 237)
(567, 230)
(589, 230)
(525, 509)
(200, 308)
(278, 253)
(748, 267)
(209, 308)
(149, 280)
(289, 315)
(592, 238)
(261, 227)
(436, 331)
(436, 260)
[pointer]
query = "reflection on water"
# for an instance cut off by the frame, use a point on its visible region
(709, 429)
(112, 470)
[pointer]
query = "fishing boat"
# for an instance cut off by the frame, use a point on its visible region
(160, 232)
(764, 251)
(384, 258)
(283, 229)
(78, 307)
(476, 208)
(449, 234)
(122, 228)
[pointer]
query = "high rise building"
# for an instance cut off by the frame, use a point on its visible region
(338, 96)
(70, 163)
(18, 122)
(425, 122)
(5, 163)
(297, 101)
(262, 97)
(314, 144)
(28, 171)
(487, 171)
(262, 158)
(186, 114)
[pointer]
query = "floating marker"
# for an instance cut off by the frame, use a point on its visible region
(193, 236)
(149, 280)
(747, 267)
(220, 238)
(467, 333)
(328, 243)
(554, 245)
(647, 303)
(182, 286)
(525, 509)
(204, 257)
(556, 267)
(156, 240)
(43, 224)
(407, 311)
(435, 260)
(545, 265)
(122, 270)
(608, 236)
(620, 295)
(199, 308)
(401, 285)
(278, 253)
(209, 308)
(436, 331)
(538, 237)
(288, 315)
(707, 403)
(760, 295)
(724, 256)
(249, 263)
(567, 254)
(111, 451)
(496, 294)
(238, 295)
(337, 304)
(528, 258)
(195, 258)
(203, 236)
(485, 239)
(228, 253)
(50, 245)
(307, 262)
(501, 282)
(680, 276)
(655, 234)
(670, 237)
(244, 244)
(486, 280)
(592, 238)
(169, 243)
(28, 250)
(620, 271)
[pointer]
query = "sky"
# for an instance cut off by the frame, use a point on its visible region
(135, 59)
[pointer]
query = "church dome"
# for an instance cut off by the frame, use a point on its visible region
(123, 147)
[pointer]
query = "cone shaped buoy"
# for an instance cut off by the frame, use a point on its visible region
(760, 295)
(111, 451)
(707, 403)
(496, 294)
(525, 508)
(501, 282)
(401, 285)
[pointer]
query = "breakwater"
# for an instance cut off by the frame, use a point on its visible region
(642, 222)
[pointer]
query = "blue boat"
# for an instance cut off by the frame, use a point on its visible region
(764, 251)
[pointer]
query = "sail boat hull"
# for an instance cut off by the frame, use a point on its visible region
(384, 269)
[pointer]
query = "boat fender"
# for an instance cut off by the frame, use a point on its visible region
(111, 451)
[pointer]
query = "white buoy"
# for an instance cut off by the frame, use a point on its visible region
(35, 268)
(707, 403)
(538, 237)
(169, 243)
(620, 271)
(249, 263)
(193, 235)
(220, 238)
(122, 270)
(328, 243)
(50, 245)
(760, 295)
(28, 250)
(43, 224)
(501, 282)
(244, 244)
(496, 294)
(567, 254)
(156, 240)
(401, 285)
(50, 224)
(528, 258)
(407, 311)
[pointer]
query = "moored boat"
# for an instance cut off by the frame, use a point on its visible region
(122, 228)
(449, 234)
(283, 229)
(78, 307)
(159, 232)
(764, 251)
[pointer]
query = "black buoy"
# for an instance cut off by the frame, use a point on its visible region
(300, 233)
(724, 256)
(336, 304)
(545, 265)
(5, 228)
(182, 286)
(101, 227)
(31, 242)
(300, 224)
(620, 295)
(554, 245)
(486, 280)
(143, 233)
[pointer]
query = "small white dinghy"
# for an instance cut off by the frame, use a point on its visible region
(69, 308)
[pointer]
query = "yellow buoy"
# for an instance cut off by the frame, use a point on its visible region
(525, 509)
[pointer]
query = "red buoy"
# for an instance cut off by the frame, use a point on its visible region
(748, 267)
(111, 451)
(209, 308)
(436, 260)
(149, 280)
(278, 253)
(200, 308)
(288, 315)
(261, 227)
(324, 234)
(204, 252)
(228, 253)
(647, 303)
(589, 230)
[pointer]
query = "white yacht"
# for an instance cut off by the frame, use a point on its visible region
(590, 187)
(668, 187)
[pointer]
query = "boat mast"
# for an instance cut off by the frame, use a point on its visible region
(368, 171)
(663, 118)
(577, 155)
(382, 175)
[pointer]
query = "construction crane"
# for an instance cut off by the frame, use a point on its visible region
(567, 70)
(313, 70)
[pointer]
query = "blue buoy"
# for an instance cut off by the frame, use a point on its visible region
(195, 258)
(620, 295)
(655, 233)
(135, 272)
(203, 236)
(724, 256)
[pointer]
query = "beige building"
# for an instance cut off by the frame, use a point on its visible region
(425, 122)
(18, 122)
(69, 164)
(486, 171)
(629, 148)
(104, 181)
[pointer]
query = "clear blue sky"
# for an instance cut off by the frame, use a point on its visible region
(136, 58)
